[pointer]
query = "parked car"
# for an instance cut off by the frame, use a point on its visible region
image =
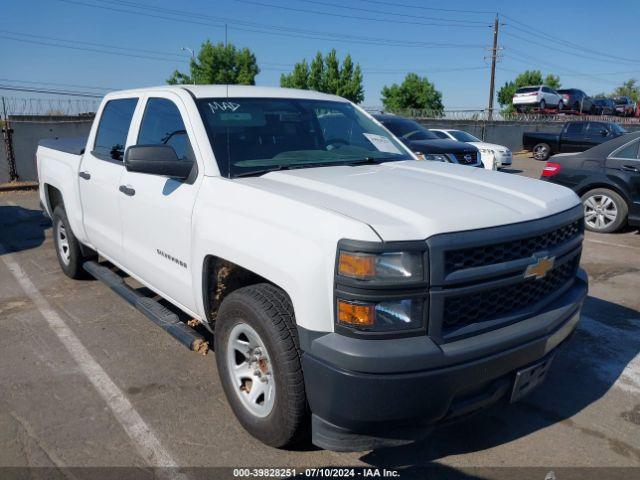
(607, 178)
(353, 291)
(493, 156)
(428, 145)
(604, 106)
(574, 137)
(576, 100)
(539, 96)
(625, 107)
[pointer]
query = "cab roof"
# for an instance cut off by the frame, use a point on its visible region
(235, 91)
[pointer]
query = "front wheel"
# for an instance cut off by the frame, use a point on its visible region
(541, 151)
(258, 359)
(604, 210)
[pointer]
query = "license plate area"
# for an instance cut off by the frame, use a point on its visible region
(529, 378)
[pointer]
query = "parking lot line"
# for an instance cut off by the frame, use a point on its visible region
(611, 244)
(144, 439)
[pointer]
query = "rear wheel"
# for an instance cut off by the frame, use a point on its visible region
(560, 104)
(541, 151)
(543, 104)
(258, 359)
(604, 210)
(68, 248)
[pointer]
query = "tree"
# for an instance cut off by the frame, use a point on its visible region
(630, 89)
(325, 74)
(414, 92)
(219, 64)
(529, 77)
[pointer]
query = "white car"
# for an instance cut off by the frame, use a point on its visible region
(493, 156)
(353, 290)
(539, 96)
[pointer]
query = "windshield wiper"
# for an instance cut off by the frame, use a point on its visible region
(297, 166)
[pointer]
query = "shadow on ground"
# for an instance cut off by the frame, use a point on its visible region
(22, 228)
(583, 371)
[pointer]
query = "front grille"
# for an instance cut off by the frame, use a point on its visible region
(498, 302)
(472, 158)
(512, 250)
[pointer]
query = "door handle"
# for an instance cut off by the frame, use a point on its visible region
(630, 168)
(85, 175)
(127, 190)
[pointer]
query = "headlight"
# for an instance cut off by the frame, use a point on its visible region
(436, 157)
(385, 316)
(380, 266)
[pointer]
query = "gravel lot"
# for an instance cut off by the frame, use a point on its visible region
(80, 370)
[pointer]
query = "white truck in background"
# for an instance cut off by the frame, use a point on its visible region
(352, 290)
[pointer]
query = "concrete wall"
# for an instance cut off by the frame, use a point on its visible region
(27, 134)
(502, 133)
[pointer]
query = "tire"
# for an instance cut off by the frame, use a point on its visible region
(261, 316)
(68, 248)
(543, 104)
(541, 151)
(576, 107)
(560, 105)
(605, 211)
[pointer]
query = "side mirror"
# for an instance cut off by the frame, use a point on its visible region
(604, 133)
(156, 160)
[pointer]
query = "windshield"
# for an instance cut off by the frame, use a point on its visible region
(464, 136)
(621, 100)
(617, 128)
(408, 129)
(255, 135)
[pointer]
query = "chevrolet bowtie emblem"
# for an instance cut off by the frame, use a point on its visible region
(540, 268)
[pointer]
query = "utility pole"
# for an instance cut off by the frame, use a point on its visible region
(494, 55)
(7, 132)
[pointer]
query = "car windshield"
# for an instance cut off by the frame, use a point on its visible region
(527, 89)
(464, 136)
(617, 128)
(620, 100)
(408, 129)
(251, 136)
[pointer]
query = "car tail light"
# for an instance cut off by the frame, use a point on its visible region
(551, 169)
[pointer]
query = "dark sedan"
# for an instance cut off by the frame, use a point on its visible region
(607, 178)
(429, 146)
(576, 100)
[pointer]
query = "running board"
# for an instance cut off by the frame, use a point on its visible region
(157, 313)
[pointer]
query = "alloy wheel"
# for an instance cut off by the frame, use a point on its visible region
(600, 211)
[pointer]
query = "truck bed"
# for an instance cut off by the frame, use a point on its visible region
(74, 145)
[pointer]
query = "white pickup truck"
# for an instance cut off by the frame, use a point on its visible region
(353, 291)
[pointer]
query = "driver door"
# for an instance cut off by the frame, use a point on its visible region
(156, 210)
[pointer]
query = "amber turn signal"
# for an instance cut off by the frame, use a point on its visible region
(355, 314)
(356, 265)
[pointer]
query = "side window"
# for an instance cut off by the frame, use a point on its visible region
(113, 129)
(576, 128)
(162, 125)
(629, 152)
(598, 129)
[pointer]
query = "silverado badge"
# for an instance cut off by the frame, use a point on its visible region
(539, 269)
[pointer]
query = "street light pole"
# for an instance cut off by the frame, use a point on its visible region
(193, 57)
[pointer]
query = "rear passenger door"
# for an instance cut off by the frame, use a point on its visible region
(574, 137)
(623, 167)
(99, 177)
(156, 217)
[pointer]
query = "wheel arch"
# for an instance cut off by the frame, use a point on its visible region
(606, 185)
(220, 277)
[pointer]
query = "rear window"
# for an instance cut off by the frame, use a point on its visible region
(113, 129)
(527, 89)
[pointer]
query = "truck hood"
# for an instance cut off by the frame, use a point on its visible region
(413, 200)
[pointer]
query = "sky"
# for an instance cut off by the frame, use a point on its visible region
(62, 44)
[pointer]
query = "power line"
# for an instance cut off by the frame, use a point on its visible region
(11, 80)
(582, 48)
(386, 12)
(420, 7)
(261, 28)
(22, 88)
(333, 14)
